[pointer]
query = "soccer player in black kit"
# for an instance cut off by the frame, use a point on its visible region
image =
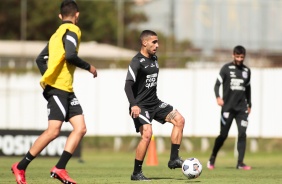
(236, 104)
(141, 91)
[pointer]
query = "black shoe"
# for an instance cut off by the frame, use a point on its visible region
(177, 163)
(139, 177)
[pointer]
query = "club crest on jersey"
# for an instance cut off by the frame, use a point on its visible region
(245, 74)
(157, 64)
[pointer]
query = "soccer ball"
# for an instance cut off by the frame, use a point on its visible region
(192, 168)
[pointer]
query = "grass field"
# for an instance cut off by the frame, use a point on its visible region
(110, 167)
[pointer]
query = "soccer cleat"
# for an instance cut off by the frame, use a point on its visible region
(210, 166)
(139, 177)
(177, 163)
(243, 166)
(19, 174)
(62, 175)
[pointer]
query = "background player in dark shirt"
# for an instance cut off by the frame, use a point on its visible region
(236, 104)
(57, 63)
(141, 91)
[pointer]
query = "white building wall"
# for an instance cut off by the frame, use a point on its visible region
(106, 107)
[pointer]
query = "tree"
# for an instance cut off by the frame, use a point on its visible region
(10, 17)
(98, 20)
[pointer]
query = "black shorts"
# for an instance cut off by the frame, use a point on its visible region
(147, 115)
(241, 118)
(61, 105)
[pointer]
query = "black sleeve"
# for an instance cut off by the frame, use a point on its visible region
(218, 82)
(42, 59)
(216, 88)
(248, 96)
(248, 92)
(71, 42)
(129, 92)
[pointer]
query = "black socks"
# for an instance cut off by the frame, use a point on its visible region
(65, 157)
(25, 161)
(137, 166)
(174, 151)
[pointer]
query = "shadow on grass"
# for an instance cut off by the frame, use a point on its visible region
(234, 168)
(171, 178)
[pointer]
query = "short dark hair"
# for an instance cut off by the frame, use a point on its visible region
(145, 34)
(68, 8)
(239, 50)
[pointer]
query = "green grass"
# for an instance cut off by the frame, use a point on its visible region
(111, 167)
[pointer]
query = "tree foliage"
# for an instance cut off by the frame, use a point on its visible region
(10, 17)
(98, 20)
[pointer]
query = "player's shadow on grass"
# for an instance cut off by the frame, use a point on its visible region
(230, 167)
(192, 181)
(162, 178)
(171, 178)
(234, 168)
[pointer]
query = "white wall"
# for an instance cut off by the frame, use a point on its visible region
(106, 107)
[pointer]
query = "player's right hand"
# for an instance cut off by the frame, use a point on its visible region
(135, 111)
(220, 101)
(93, 71)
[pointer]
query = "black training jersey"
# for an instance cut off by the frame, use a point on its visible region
(236, 86)
(143, 72)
